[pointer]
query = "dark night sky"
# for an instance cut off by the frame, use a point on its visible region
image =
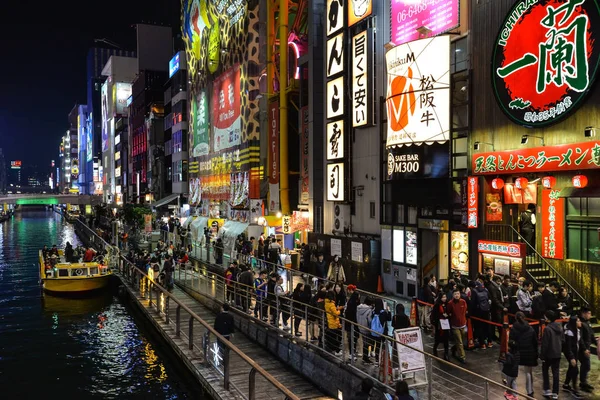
(43, 64)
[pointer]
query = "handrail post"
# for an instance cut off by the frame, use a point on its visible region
(178, 320)
(205, 344)
(351, 344)
(486, 390)
(429, 376)
(167, 310)
(323, 330)
(252, 384)
(292, 319)
(150, 294)
(306, 320)
(191, 333)
(343, 337)
(226, 367)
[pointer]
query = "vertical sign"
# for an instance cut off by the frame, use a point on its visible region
(335, 55)
(359, 10)
(335, 182)
(360, 80)
(335, 16)
(286, 224)
(148, 223)
(304, 178)
(553, 224)
(273, 170)
(335, 97)
(472, 202)
(335, 140)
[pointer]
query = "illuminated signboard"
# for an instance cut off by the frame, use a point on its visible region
(359, 10)
(335, 16)
(335, 97)
(541, 80)
(418, 92)
(15, 164)
(335, 182)
(410, 18)
(104, 107)
(200, 137)
(553, 224)
(335, 140)
(335, 55)
(89, 142)
(174, 65)
(473, 202)
(123, 91)
(424, 161)
(361, 82)
(227, 121)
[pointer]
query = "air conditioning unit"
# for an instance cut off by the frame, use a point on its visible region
(341, 217)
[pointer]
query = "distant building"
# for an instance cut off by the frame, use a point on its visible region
(3, 182)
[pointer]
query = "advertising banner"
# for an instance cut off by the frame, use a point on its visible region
(89, 141)
(273, 142)
(335, 182)
(361, 78)
(501, 248)
(227, 122)
(473, 201)
(418, 92)
(104, 106)
(418, 161)
(335, 55)
(359, 10)
(564, 157)
(123, 92)
(304, 177)
(335, 16)
(553, 224)
(408, 16)
(406, 340)
(541, 80)
(148, 223)
(200, 137)
(335, 140)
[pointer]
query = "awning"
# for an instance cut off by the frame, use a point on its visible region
(230, 231)
(197, 227)
(165, 200)
(588, 191)
(188, 221)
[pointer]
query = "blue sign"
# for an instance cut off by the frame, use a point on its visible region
(174, 65)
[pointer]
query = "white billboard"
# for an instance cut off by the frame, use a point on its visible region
(123, 92)
(418, 92)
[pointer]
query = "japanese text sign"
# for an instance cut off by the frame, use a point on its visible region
(227, 121)
(274, 142)
(304, 161)
(358, 10)
(545, 59)
(472, 201)
(418, 91)
(335, 140)
(335, 182)
(409, 15)
(334, 16)
(553, 224)
(576, 156)
(286, 224)
(501, 248)
(335, 55)
(335, 97)
(361, 95)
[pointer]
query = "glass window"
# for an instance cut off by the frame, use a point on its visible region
(583, 222)
(398, 245)
(386, 244)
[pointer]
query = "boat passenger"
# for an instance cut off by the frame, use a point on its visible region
(54, 250)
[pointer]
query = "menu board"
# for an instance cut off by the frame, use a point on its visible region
(436, 16)
(411, 247)
(459, 251)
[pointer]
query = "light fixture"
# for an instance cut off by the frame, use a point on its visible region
(589, 131)
(477, 145)
(525, 139)
(278, 215)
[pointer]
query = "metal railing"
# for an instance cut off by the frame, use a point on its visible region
(507, 233)
(215, 351)
(342, 343)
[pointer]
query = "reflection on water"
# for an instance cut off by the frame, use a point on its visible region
(73, 348)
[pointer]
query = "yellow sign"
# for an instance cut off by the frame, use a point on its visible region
(286, 224)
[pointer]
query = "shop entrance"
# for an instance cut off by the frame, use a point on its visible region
(435, 248)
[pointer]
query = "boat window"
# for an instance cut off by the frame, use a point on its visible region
(78, 271)
(63, 272)
(94, 271)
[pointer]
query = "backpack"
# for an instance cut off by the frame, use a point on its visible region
(483, 300)
(376, 326)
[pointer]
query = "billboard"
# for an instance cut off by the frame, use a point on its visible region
(410, 18)
(123, 92)
(15, 164)
(174, 65)
(201, 136)
(89, 141)
(418, 92)
(226, 107)
(104, 107)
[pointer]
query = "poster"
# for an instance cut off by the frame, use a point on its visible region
(200, 135)
(553, 224)
(411, 247)
(226, 110)
(336, 247)
(410, 360)
(493, 207)
(357, 251)
(459, 251)
(148, 223)
(513, 195)
(501, 266)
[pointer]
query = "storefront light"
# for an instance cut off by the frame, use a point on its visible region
(497, 183)
(278, 215)
(580, 181)
(548, 182)
(521, 183)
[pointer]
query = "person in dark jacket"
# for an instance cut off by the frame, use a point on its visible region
(526, 339)
(350, 315)
(587, 338)
(549, 296)
(301, 297)
(321, 266)
(550, 353)
(571, 350)
(565, 302)
(510, 369)
(224, 324)
(439, 313)
(426, 296)
(245, 286)
(538, 305)
(365, 390)
(402, 391)
(480, 308)
(384, 318)
(497, 306)
(69, 252)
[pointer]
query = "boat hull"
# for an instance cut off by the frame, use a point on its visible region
(76, 285)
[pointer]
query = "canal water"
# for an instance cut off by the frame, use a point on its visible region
(52, 347)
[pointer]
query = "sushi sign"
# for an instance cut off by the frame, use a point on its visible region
(545, 59)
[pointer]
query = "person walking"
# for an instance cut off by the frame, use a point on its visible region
(571, 349)
(588, 338)
(457, 310)
(224, 324)
(441, 324)
(526, 339)
(550, 353)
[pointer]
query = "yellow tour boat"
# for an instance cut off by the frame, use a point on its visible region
(59, 276)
